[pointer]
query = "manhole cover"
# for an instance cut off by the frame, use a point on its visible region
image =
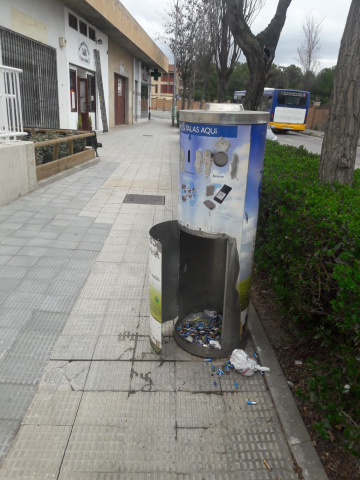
(145, 199)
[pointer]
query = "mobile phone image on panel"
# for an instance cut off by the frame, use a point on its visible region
(209, 204)
(222, 194)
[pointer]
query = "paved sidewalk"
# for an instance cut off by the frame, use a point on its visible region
(74, 289)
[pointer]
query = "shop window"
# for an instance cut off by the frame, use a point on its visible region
(144, 98)
(83, 28)
(73, 22)
(91, 93)
(73, 105)
(156, 89)
(92, 34)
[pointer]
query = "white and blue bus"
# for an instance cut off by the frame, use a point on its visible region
(288, 108)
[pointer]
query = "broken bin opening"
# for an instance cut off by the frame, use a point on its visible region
(200, 265)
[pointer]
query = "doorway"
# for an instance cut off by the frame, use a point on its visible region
(83, 102)
(119, 94)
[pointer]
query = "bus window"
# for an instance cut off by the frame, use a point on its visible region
(296, 99)
(266, 102)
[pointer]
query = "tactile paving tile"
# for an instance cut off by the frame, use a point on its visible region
(90, 307)
(65, 288)
(119, 325)
(22, 369)
(152, 376)
(9, 284)
(144, 350)
(109, 375)
(64, 376)
(8, 429)
(11, 271)
(33, 286)
(195, 377)
(34, 343)
(53, 408)
(74, 347)
(137, 413)
(47, 321)
(199, 410)
(102, 448)
(114, 348)
(36, 452)
(124, 308)
(83, 325)
(15, 400)
(255, 383)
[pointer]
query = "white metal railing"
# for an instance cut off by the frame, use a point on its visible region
(11, 124)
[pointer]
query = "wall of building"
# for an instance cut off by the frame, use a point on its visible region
(115, 12)
(41, 21)
(73, 40)
(17, 170)
(117, 55)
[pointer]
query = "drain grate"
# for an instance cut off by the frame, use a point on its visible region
(145, 199)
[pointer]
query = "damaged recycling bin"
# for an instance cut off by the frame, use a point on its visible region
(200, 266)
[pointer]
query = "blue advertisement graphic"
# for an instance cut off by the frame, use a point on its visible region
(219, 186)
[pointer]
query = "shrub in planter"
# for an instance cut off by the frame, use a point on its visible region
(309, 242)
(80, 123)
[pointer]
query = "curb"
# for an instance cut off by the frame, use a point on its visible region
(311, 134)
(290, 418)
(66, 173)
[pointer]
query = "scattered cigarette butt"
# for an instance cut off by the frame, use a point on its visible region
(267, 466)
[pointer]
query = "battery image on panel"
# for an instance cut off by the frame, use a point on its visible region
(220, 169)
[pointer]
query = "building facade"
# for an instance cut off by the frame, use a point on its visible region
(163, 87)
(80, 59)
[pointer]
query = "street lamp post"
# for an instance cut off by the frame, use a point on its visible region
(175, 52)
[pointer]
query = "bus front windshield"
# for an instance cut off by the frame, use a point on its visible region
(295, 99)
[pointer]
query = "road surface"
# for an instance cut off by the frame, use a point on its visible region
(313, 144)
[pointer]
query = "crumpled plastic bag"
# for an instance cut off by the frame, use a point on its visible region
(244, 364)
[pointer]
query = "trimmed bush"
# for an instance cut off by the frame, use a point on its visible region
(309, 242)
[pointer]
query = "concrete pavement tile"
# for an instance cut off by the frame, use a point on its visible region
(14, 318)
(34, 343)
(36, 452)
(15, 400)
(64, 376)
(46, 321)
(41, 273)
(65, 288)
(7, 339)
(53, 408)
(74, 347)
(22, 369)
(10, 271)
(33, 286)
(58, 304)
(109, 375)
(114, 348)
(24, 300)
(5, 259)
(153, 376)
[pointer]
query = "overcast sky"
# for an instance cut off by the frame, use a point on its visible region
(149, 15)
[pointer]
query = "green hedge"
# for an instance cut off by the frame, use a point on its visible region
(309, 242)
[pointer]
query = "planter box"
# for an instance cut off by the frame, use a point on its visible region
(57, 166)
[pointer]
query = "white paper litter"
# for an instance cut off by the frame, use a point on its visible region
(245, 364)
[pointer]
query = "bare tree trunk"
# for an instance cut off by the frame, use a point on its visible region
(259, 50)
(203, 94)
(222, 86)
(338, 154)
